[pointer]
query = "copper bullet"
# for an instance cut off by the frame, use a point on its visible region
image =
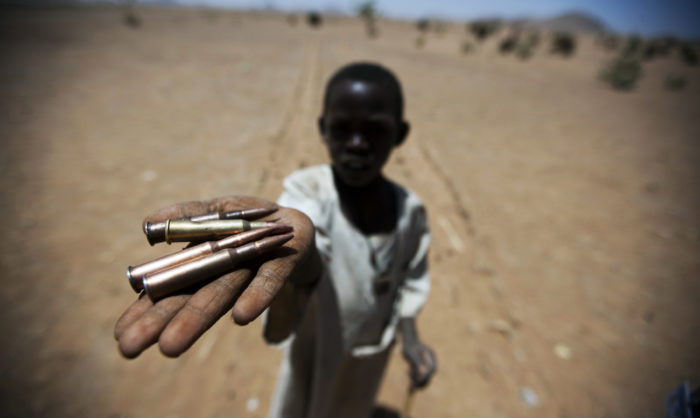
(163, 283)
(180, 230)
(135, 274)
(155, 230)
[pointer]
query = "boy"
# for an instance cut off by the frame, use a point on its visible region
(354, 275)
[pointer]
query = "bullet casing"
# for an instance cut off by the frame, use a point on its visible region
(155, 231)
(180, 230)
(180, 277)
(136, 274)
(176, 230)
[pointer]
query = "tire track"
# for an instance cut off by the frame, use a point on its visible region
(297, 114)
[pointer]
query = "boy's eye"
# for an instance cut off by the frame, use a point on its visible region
(376, 129)
(340, 130)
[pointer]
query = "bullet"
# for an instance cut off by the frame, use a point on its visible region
(163, 283)
(155, 230)
(177, 230)
(246, 214)
(135, 274)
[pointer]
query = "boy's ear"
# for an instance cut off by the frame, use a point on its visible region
(321, 127)
(404, 128)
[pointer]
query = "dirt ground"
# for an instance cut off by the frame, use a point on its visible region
(565, 215)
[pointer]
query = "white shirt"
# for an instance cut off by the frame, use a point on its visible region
(368, 284)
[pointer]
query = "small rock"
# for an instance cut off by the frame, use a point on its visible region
(502, 327)
(252, 404)
(562, 351)
(652, 187)
(149, 175)
(529, 397)
(243, 67)
(649, 317)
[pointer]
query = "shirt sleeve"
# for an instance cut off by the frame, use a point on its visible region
(301, 192)
(416, 286)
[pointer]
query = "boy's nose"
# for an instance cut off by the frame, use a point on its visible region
(357, 143)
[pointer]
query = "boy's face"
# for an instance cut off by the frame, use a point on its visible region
(360, 126)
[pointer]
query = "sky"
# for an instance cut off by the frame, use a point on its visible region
(644, 17)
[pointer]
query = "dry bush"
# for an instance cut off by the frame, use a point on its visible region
(422, 25)
(482, 29)
(622, 73)
(609, 41)
(688, 53)
(659, 47)
(533, 39)
(508, 44)
(633, 46)
(129, 16)
(467, 46)
(563, 43)
(314, 19)
(367, 11)
(675, 82)
(523, 50)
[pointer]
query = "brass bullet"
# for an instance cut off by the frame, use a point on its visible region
(155, 231)
(135, 274)
(163, 283)
(180, 230)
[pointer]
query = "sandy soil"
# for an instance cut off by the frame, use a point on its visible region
(564, 214)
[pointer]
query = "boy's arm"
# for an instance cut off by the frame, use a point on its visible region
(413, 294)
(286, 309)
(420, 357)
(175, 322)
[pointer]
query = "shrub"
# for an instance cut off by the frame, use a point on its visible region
(622, 73)
(688, 53)
(508, 44)
(632, 47)
(131, 19)
(292, 19)
(314, 19)
(129, 16)
(675, 82)
(467, 46)
(420, 41)
(533, 39)
(423, 25)
(609, 41)
(523, 50)
(367, 11)
(563, 43)
(439, 27)
(482, 29)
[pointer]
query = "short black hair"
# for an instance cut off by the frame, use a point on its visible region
(371, 73)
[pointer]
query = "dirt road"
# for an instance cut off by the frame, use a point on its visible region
(566, 255)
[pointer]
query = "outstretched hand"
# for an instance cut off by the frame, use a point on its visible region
(175, 322)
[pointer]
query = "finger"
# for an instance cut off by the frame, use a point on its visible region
(131, 314)
(227, 203)
(144, 332)
(426, 368)
(261, 291)
(201, 311)
(429, 360)
(294, 259)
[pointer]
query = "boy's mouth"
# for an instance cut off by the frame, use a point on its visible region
(356, 165)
